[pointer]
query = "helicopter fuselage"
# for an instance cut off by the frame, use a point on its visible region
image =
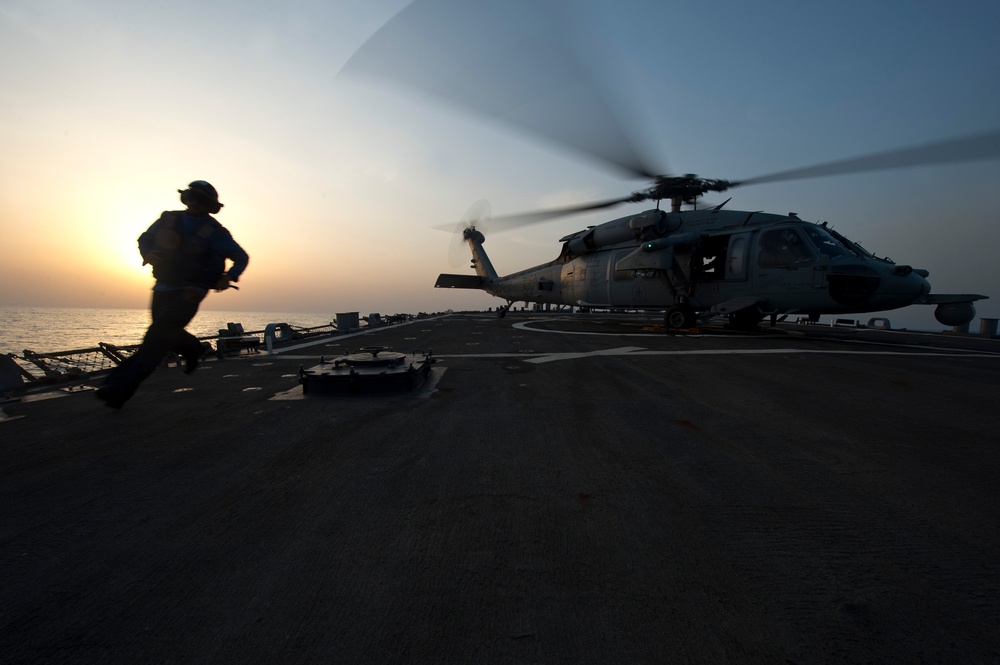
(714, 262)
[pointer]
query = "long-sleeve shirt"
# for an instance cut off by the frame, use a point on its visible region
(193, 248)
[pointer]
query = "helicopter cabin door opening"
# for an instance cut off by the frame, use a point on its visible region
(723, 257)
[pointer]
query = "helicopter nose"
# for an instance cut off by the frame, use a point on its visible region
(853, 284)
(921, 285)
(904, 270)
(877, 284)
(902, 285)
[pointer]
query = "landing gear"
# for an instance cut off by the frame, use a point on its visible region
(680, 316)
(502, 310)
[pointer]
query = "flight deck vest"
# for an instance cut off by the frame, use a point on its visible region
(188, 258)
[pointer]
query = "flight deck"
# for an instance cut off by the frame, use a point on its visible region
(562, 488)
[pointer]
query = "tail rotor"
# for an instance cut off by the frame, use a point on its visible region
(476, 217)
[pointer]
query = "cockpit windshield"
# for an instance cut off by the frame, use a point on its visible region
(849, 244)
(825, 242)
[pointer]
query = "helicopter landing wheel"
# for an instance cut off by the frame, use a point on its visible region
(679, 316)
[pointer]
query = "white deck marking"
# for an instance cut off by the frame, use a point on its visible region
(538, 358)
(4, 418)
(550, 357)
(526, 325)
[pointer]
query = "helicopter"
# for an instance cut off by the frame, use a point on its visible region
(519, 63)
(745, 265)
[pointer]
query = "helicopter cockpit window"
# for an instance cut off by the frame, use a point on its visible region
(850, 244)
(825, 243)
(783, 248)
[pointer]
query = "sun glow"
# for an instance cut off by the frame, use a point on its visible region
(332, 185)
(123, 231)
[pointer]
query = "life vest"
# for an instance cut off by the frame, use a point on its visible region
(188, 259)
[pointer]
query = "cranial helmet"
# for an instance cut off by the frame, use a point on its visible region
(203, 193)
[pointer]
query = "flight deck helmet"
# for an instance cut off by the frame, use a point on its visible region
(202, 192)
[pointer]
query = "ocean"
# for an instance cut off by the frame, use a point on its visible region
(50, 329)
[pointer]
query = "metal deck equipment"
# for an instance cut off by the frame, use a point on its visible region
(370, 369)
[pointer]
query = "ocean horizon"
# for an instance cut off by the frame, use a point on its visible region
(49, 329)
(52, 329)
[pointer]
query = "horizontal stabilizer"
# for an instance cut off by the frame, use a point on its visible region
(948, 298)
(445, 281)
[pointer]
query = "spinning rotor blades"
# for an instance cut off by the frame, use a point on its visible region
(515, 63)
(970, 148)
(507, 68)
(964, 149)
(523, 219)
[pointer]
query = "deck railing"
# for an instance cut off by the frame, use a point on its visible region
(32, 370)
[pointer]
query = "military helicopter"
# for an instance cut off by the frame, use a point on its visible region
(518, 62)
(700, 263)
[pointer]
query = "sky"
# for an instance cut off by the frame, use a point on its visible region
(333, 182)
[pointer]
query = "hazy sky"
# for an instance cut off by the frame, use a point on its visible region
(332, 183)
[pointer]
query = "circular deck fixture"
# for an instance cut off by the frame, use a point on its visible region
(372, 356)
(370, 369)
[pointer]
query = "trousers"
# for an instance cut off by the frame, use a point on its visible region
(171, 312)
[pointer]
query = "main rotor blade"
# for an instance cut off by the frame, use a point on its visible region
(523, 219)
(510, 61)
(963, 149)
(506, 222)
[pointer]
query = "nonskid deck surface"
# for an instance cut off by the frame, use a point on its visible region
(562, 490)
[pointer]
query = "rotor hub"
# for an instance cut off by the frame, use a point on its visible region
(681, 189)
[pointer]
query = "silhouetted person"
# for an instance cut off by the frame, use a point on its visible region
(188, 251)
